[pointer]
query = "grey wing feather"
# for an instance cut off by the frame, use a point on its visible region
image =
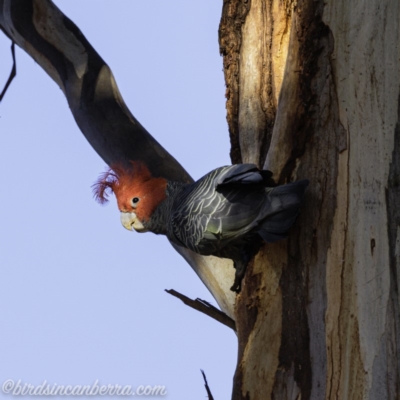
(193, 210)
(245, 174)
(216, 216)
(281, 210)
(230, 202)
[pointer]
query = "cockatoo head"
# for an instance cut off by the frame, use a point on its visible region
(138, 193)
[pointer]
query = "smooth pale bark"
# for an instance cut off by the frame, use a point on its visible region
(364, 337)
(318, 316)
(58, 46)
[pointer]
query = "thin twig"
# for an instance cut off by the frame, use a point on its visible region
(206, 308)
(210, 396)
(12, 74)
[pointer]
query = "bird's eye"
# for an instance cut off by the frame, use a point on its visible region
(135, 200)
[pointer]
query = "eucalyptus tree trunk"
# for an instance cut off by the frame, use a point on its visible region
(312, 92)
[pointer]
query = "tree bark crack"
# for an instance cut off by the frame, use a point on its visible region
(342, 280)
(234, 14)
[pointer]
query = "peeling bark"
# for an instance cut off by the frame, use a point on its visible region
(334, 123)
(230, 39)
(259, 327)
(254, 38)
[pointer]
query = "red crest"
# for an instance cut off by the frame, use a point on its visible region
(126, 183)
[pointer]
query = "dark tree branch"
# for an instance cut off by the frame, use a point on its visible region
(206, 308)
(210, 396)
(58, 45)
(60, 48)
(13, 72)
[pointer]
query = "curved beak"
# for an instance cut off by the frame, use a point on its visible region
(130, 221)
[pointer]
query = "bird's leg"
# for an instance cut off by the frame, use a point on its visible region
(242, 260)
(240, 267)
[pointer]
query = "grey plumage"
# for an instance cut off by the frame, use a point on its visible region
(228, 211)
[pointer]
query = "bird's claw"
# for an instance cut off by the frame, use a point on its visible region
(237, 285)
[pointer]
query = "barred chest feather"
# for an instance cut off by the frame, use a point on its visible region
(159, 223)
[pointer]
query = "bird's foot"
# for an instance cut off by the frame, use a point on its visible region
(240, 267)
(246, 254)
(237, 284)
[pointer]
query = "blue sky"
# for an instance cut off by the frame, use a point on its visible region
(81, 298)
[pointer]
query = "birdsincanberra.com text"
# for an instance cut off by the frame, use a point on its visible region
(19, 388)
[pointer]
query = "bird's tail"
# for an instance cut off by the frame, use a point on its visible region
(281, 210)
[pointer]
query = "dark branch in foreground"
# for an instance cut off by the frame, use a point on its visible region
(206, 308)
(60, 48)
(13, 72)
(210, 396)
